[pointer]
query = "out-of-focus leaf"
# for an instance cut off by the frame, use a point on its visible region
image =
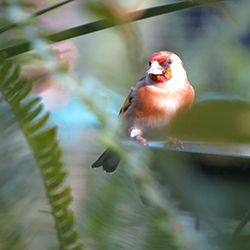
(62, 194)
(215, 121)
(39, 123)
(67, 225)
(26, 107)
(14, 76)
(33, 114)
(59, 206)
(19, 86)
(15, 101)
(57, 181)
(67, 240)
(4, 71)
(43, 144)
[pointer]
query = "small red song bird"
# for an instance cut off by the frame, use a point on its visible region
(152, 104)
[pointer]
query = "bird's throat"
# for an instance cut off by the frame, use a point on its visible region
(161, 78)
(157, 78)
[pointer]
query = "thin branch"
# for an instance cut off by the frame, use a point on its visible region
(40, 12)
(143, 14)
(34, 15)
(108, 23)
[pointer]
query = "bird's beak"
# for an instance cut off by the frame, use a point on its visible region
(155, 69)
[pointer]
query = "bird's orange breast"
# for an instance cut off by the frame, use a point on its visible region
(153, 104)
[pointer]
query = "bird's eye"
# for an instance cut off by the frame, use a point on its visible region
(169, 61)
(149, 63)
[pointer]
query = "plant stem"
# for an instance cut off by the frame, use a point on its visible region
(108, 23)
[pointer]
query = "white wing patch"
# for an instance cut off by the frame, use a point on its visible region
(134, 132)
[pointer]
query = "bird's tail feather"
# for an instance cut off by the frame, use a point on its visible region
(108, 160)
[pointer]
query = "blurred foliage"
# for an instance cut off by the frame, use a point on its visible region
(215, 120)
(213, 41)
(44, 147)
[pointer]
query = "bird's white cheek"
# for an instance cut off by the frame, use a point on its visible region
(178, 77)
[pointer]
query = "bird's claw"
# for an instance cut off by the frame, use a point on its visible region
(141, 140)
(175, 142)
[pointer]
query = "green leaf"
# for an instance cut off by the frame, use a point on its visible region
(4, 70)
(70, 239)
(62, 214)
(49, 168)
(42, 142)
(15, 101)
(33, 114)
(25, 108)
(56, 181)
(13, 77)
(49, 151)
(61, 195)
(214, 120)
(3, 57)
(80, 246)
(52, 173)
(51, 133)
(65, 215)
(64, 203)
(42, 145)
(51, 161)
(38, 124)
(66, 225)
(19, 86)
(45, 212)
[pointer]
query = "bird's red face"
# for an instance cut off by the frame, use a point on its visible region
(160, 67)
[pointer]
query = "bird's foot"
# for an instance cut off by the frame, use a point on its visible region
(141, 140)
(175, 142)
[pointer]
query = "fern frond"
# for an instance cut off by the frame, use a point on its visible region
(45, 148)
